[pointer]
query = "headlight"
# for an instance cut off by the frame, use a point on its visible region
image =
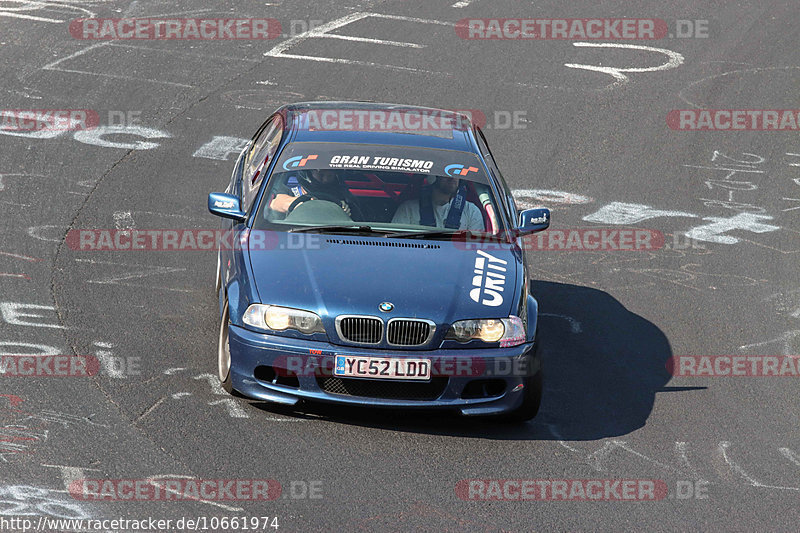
(507, 331)
(282, 318)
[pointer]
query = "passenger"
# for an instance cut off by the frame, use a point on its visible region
(442, 205)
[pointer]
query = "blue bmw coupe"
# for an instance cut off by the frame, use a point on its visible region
(377, 259)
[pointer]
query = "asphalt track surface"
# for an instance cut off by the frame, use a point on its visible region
(611, 319)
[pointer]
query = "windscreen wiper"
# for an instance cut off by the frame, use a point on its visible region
(336, 229)
(464, 233)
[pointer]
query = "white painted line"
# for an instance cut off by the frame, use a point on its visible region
(153, 270)
(222, 147)
(176, 14)
(557, 434)
(620, 213)
(174, 215)
(681, 451)
(723, 448)
(462, 3)
(54, 67)
(575, 325)
(106, 359)
(278, 49)
(596, 459)
(213, 382)
(22, 257)
(752, 171)
(181, 53)
(149, 287)
(80, 52)
(28, 17)
(786, 339)
(151, 408)
(234, 409)
(118, 77)
(724, 74)
(124, 220)
(618, 73)
(624, 445)
(789, 454)
(70, 4)
(138, 274)
(372, 41)
(411, 19)
(323, 31)
(356, 62)
(791, 200)
(173, 371)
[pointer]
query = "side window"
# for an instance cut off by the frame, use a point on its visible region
(258, 159)
(509, 197)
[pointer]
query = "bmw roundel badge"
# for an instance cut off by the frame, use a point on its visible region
(386, 307)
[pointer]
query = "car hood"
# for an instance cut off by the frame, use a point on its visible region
(436, 280)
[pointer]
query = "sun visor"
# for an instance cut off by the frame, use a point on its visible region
(380, 158)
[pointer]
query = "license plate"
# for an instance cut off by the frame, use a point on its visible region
(383, 368)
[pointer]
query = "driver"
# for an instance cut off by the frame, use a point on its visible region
(317, 184)
(442, 205)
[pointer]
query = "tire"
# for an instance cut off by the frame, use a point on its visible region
(531, 400)
(224, 353)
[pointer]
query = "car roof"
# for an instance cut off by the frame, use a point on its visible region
(455, 134)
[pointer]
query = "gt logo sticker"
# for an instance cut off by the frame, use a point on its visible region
(298, 161)
(224, 205)
(458, 170)
(489, 280)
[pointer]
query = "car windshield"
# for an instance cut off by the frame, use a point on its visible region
(399, 191)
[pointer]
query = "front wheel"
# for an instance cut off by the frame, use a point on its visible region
(532, 399)
(224, 352)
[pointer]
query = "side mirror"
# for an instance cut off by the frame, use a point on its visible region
(533, 220)
(226, 205)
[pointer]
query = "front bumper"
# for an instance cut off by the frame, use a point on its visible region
(473, 382)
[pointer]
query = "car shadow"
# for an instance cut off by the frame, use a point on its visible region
(603, 366)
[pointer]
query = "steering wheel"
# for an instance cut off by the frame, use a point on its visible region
(297, 201)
